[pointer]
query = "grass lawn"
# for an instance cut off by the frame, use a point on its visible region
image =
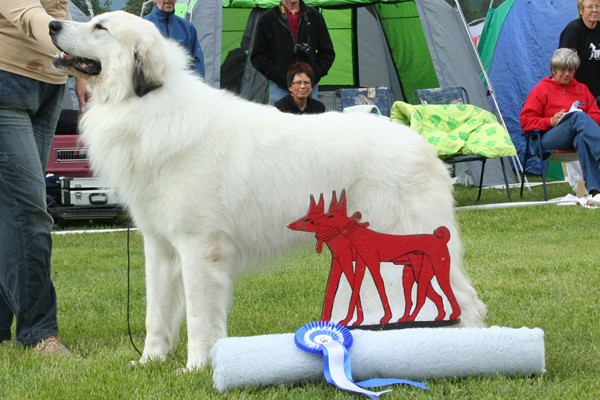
(533, 266)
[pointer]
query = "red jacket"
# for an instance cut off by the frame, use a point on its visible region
(549, 97)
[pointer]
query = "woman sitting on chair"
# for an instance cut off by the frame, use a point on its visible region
(300, 78)
(547, 109)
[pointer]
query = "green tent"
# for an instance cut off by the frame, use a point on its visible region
(400, 44)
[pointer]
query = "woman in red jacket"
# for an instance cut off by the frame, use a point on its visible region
(548, 107)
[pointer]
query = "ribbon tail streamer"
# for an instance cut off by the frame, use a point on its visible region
(391, 381)
(338, 369)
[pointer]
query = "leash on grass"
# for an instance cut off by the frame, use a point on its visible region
(129, 292)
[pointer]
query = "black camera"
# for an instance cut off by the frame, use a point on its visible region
(301, 49)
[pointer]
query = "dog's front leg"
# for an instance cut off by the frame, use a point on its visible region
(165, 300)
(207, 279)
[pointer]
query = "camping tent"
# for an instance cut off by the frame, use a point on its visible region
(515, 46)
(400, 44)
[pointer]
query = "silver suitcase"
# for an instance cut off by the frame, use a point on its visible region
(81, 183)
(86, 192)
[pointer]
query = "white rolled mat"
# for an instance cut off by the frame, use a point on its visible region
(417, 354)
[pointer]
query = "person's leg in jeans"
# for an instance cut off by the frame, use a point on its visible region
(6, 318)
(315, 92)
(276, 92)
(29, 112)
(581, 133)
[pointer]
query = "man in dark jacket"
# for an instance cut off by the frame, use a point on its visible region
(286, 34)
(179, 29)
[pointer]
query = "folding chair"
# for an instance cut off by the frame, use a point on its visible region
(448, 95)
(457, 95)
(534, 148)
(379, 96)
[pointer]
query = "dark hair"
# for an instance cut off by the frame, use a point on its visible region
(298, 68)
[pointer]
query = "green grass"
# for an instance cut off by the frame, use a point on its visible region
(533, 266)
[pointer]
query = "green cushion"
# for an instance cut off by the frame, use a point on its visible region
(456, 129)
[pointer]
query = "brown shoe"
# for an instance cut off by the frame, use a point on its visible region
(51, 346)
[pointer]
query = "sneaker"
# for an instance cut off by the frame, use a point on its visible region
(51, 346)
(594, 201)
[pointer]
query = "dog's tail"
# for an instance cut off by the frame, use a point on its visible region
(442, 233)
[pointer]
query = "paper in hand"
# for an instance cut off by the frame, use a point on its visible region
(574, 108)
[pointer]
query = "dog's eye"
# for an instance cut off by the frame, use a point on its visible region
(99, 26)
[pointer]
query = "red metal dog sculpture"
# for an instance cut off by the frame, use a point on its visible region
(355, 248)
(424, 256)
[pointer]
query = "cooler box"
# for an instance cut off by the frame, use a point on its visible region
(68, 158)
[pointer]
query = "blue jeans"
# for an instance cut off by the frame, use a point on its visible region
(581, 133)
(276, 92)
(29, 111)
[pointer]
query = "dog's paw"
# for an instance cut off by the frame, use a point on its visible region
(195, 365)
(140, 363)
(186, 370)
(145, 359)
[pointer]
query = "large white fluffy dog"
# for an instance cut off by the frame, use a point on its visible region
(212, 180)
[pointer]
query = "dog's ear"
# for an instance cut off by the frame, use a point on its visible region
(147, 70)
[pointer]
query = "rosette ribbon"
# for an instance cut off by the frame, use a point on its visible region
(333, 341)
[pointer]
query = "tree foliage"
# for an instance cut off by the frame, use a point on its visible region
(98, 6)
(135, 6)
(472, 9)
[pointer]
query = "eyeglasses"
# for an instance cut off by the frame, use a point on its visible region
(569, 70)
(592, 7)
(300, 83)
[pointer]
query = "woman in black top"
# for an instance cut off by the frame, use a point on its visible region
(300, 79)
(583, 35)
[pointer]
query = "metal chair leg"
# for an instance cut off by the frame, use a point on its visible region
(481, 178)
(506, 180)
(525, 159)
(544, 181)
(542, 167)
(523, 176)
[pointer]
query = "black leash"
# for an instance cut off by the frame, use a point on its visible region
(129, 292)
(129, 295)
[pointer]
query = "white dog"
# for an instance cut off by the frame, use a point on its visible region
(212, 180)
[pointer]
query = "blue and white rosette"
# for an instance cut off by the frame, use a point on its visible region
(333, 341)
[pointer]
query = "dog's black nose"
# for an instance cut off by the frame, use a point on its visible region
(54, 26)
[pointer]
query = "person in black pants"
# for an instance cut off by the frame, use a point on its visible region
(286, 34)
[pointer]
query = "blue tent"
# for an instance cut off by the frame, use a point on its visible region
(516, 45)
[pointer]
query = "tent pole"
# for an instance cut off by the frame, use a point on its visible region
(188, 14)
(515, 160)
(144, 4)
(88, 3)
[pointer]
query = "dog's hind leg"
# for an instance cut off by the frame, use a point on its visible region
(165, 301)
(207, 278)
